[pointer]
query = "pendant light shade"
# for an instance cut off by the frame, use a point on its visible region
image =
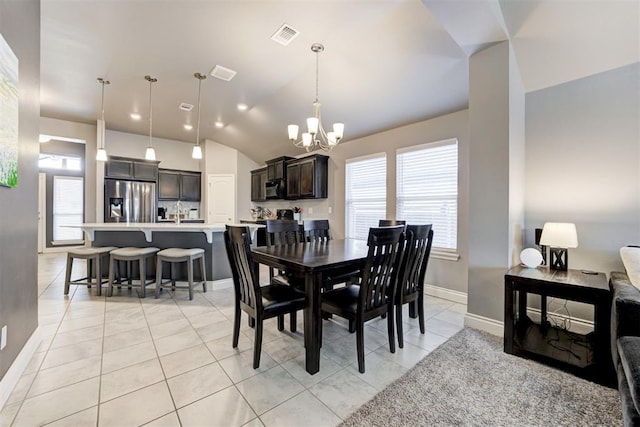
(197, 151)
(150, 153)
(101, 154)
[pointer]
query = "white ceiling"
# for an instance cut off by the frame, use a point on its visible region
(386, 62)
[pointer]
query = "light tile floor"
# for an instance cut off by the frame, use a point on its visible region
(124, 361)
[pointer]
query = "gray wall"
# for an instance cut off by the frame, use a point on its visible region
(583, 164)
(20, 26)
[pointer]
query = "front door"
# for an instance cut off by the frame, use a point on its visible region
(221, 199)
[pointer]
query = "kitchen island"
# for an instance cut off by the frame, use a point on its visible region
(168, 235)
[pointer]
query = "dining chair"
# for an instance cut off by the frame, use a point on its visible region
(317, 231)
(373, 296)
(391, 222)
(278, 233)
(411, 275)
(258, 302)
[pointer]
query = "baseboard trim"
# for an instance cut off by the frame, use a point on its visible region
(492, 326)
(216, 285)
(444, 293)
(11, 378)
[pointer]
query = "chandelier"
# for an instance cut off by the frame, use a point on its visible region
(316, 137)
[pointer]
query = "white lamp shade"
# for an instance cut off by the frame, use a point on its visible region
(150, 154)
(197, 152)
(101, 155)
(331, 138)
(293, 132)
(338, 130)
(306, 139)
(312, 125)
(559, 235)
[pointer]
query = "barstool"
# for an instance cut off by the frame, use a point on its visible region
(131, 254)
(174, 255)
(94, 256)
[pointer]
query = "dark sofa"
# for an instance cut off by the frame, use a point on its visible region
(625, 344)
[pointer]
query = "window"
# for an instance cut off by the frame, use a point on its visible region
(68, 208)
(427, 189)
(55, 161)
(366, 194)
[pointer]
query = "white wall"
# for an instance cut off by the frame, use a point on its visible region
(583, 164)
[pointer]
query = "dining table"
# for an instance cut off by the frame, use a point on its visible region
(312, 263)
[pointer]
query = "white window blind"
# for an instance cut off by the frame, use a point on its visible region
(68, 207)
(366, 194)
(427, 189)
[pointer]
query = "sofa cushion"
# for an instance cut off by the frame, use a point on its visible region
(631, 260)
(629, 351)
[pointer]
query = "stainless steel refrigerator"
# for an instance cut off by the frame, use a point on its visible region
(129, 201)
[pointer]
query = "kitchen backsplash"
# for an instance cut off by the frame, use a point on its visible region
(186, 207)
(311, 209)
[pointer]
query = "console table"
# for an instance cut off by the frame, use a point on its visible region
(585, 355)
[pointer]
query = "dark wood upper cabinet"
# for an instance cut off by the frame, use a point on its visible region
(276, 168)
(126, 168)
(307, 177)
(258, 180)
(179, 185)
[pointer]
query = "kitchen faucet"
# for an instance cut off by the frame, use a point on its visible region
(178, 211)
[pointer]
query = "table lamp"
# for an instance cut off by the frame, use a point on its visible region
(559, 236)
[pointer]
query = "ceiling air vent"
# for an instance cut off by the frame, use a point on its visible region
(285, 35)
(222, 73)
(185, 107)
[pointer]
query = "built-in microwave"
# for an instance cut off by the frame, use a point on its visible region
(274, 189)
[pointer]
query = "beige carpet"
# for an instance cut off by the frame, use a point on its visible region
(470, 381)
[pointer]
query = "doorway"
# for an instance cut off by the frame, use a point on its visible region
(221, 198)
(42, 206)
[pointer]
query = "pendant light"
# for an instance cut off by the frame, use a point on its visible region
(101, 155)
(150, 154)
(197, 151)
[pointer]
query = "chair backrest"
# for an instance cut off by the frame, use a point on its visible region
(282, 232)
(316, 230)
(416, 257)
(243, 270)
(382, 265)
(391, 222)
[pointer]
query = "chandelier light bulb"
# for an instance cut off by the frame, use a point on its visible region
(293, 132)
(312, 125)
(307, 139)
(331, 138)
(338, 130)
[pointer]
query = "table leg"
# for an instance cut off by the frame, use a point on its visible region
(508, 317)
(312, 322)
(543, 312)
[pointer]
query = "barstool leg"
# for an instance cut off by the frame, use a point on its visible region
(67, 277)
(190, 277)
(143, 276)
(89, 273)
(98, 263)
(112, 268)
(158, 276)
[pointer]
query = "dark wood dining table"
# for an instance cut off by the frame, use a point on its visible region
(312, 262)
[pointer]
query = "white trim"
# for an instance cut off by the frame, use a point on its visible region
(59, 249)
(367, 157)
(68, 242)
(492, 326)
(11, 378)
(445, 254)
(216, 285)
(418, 147)
(444, 293)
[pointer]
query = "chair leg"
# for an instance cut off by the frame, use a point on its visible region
(236, 325)
(252, 322)
(203, 272)
(190, 278)
(293, 320)
(421, 312)
(143, 276)
(360, 345)
(257, 345)
(281, 322)
(158, 276)
(67, 276)
(392, 338)
(352, 326)
(98, 267)
(399, 326)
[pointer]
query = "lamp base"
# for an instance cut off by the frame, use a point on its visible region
(558, 259)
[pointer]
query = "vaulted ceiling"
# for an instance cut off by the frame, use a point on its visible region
(386, 63)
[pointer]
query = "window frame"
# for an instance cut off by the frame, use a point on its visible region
(348, 202)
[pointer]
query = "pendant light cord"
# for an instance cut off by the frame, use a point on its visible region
(151, 80)
(102, 82)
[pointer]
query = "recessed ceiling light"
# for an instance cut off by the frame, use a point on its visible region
(135, 116)
(219, 124)
(188, 126)
(243, 107)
